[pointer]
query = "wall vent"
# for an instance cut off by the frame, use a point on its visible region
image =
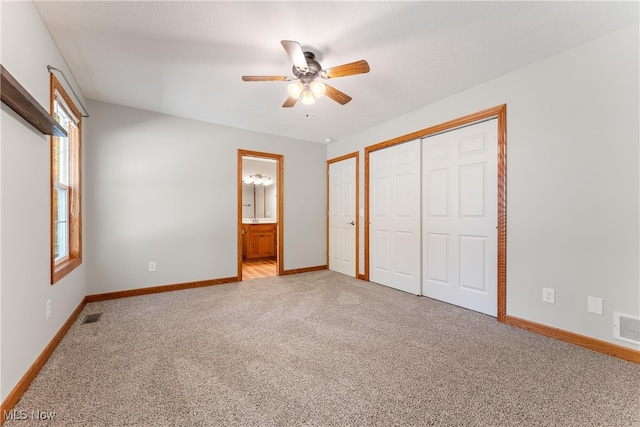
(626, 328)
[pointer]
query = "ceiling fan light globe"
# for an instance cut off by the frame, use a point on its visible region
(295, 89)
(308, 98)
(317, 88)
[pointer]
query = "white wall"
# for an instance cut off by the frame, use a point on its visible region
(27, 49)
(164, 189)
(572, 179)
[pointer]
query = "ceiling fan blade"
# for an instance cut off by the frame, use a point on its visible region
(265, 78)
(290, 102)
(358, 67)
(340, 97)
(294, 50)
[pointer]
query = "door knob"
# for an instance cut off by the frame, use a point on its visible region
(351, 223)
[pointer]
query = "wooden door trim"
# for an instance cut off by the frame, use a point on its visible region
(356, 155)
(499, 112)
(280, 207)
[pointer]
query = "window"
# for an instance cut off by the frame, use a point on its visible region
(66, 185)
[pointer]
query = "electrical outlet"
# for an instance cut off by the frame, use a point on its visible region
(48, 308)
(152, 266)
(549, 295)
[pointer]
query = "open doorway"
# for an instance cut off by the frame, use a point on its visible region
(260, 225)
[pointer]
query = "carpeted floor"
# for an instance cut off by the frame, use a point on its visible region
(319, 349)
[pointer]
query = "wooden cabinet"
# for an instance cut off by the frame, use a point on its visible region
(259, 241)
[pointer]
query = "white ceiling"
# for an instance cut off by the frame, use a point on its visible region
(187, 58)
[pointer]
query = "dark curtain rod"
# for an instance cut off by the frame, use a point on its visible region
(50, 68)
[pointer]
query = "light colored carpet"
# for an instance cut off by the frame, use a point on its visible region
(320, 349)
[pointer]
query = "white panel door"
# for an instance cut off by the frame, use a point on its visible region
(459, 235)
(394, 204)
(342, 216)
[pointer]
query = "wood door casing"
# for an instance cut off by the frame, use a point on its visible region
(279, 234)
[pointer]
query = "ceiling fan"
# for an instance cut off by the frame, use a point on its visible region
(306, 71)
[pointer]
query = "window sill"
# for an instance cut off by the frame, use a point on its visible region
(63, 268)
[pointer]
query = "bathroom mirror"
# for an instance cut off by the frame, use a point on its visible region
(259, 195)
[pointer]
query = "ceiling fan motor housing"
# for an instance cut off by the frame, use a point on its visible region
(314, 68)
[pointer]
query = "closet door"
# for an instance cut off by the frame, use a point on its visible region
(394, 203)
(459, 241)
